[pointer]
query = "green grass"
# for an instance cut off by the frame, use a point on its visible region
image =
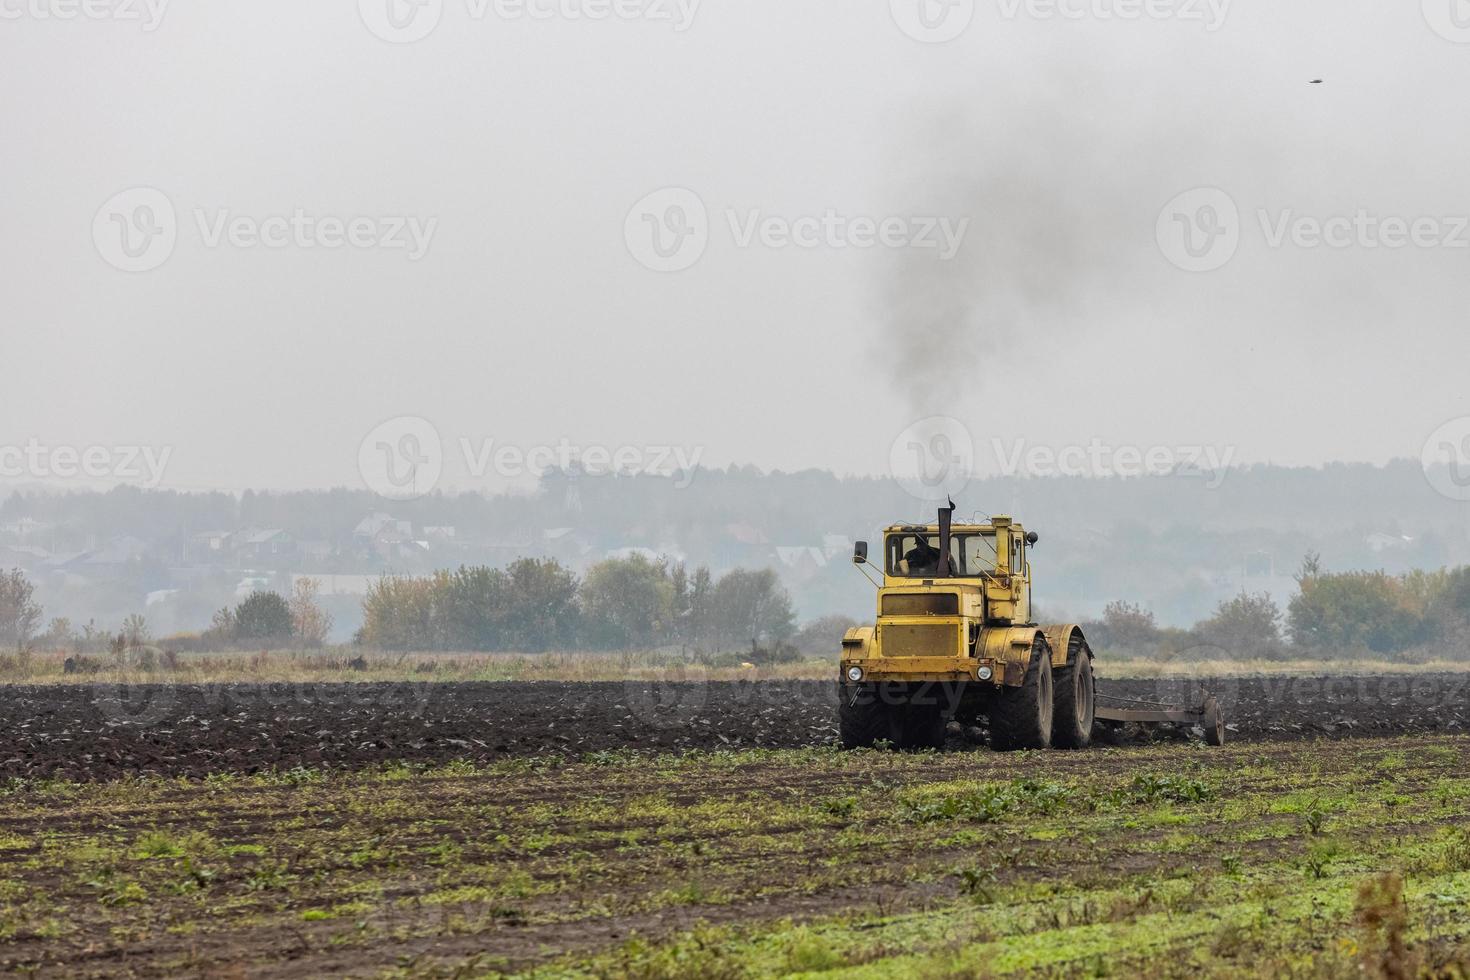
(1295, 859)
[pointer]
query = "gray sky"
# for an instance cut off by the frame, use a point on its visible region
(519, 146)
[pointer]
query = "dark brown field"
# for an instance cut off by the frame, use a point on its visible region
(102, 731)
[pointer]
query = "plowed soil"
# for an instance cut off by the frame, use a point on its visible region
(101, 731)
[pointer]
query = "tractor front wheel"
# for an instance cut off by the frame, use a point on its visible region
(867, 716)
(1021, 717)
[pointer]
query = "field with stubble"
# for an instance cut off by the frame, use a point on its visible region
(1163, 860)
(676, 824)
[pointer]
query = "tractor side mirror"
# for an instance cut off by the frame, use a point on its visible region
(1032, 537)
(860, 553)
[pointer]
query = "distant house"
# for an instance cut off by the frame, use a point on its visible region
(23, 528)
(267, 545)
(370, 527)
(316, 549)
(209, 545)
(251, 583)
(836, 546)
(746, 534)
(1379, 541)
(801, 556)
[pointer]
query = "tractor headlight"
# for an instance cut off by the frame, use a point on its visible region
(854, 674)
(984, 673)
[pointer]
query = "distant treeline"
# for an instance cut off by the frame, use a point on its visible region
(1341, 614)
(630, 603)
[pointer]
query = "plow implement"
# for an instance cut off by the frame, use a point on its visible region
(1124, 711)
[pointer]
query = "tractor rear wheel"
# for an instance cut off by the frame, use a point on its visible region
(869, 718)
(1021, 717)
(1074, 703)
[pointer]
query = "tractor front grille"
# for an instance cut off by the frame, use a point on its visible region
(921, 604)
(919, 639)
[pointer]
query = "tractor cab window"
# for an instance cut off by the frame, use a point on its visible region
(917, 555)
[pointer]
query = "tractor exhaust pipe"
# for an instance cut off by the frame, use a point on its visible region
(946, 516)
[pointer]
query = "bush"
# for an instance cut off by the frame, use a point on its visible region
(1248, 626)
(1351, 611)
(263, 616)
(823, 636)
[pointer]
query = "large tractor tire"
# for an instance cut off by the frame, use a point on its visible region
(1074, 706)
(869, 719)
(1021, 717)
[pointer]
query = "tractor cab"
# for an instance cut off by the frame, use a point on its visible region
(985, 561)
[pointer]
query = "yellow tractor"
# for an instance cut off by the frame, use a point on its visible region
(955, 640)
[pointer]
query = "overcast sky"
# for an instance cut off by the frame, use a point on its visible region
(995, 239)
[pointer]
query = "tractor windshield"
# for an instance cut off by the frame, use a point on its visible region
(917, 555)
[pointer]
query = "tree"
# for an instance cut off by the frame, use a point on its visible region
(823, 636)
(19, 615)
(542, 612)
(627, 603)
(1353, 611)
(135, 631)
(263, 616)
(59, 635)
(309, 622)
(1247, 625)
(398, 614)
(1125, 625)
(752, 606)
(222, 627)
